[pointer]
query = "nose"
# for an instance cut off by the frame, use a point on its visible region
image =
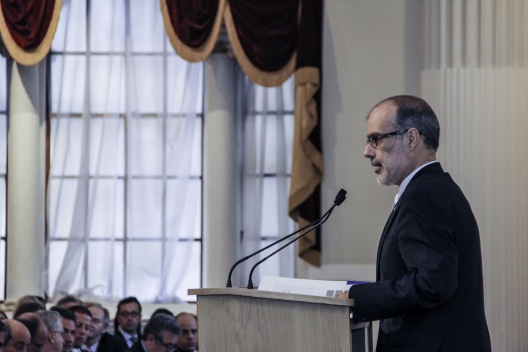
(369, 151)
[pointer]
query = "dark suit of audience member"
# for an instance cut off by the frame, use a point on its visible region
(100, 340)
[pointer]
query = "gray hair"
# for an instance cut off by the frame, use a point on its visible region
(52, 320)
(414, 112)
(160, 323)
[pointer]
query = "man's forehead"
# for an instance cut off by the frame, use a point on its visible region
(382, 117)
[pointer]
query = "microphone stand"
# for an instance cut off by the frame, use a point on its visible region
(250, 282)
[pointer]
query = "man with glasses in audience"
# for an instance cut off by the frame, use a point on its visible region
(99, 340)
(160, 335)
(55, 340)
(127, 322)
(428, 293)
(68, 326)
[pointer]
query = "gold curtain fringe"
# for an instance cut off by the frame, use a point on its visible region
(307, 164)
(186, 52)
(29, 58)
(264, 78)
(306, 246)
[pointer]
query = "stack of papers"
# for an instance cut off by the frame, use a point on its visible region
(323, 288)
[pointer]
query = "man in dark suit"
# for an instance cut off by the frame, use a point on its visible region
(127, 322)
(160, 335)
(100, 340)
(428, 292)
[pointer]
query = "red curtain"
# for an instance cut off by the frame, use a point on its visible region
(271, 40)
(27, 28)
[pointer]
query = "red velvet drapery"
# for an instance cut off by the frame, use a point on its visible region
(271, 40)
(27, 28)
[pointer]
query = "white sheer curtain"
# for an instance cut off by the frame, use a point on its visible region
(477, 81)
(124, 189)
(267, 146)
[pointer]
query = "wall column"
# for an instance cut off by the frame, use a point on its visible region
(26, 182)
(219, 171)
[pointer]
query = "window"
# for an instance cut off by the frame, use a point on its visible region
(268, 137)
(124, 189)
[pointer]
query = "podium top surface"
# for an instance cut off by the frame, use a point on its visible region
(271, 295)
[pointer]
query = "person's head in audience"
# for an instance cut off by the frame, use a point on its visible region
(68, 327)
(5, 336)
(83, 325)
(161, 311)
(128, 316)
(100, 322)
(188, 340)
(20, 336)
(30, 298)
(161, 333)
(55, 340)
(37, 329)
(3, 315)
(69, 301)
(27, 307)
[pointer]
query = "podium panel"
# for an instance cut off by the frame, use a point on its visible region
(232, 319)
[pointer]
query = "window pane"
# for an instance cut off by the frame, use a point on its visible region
(67, 91)
(105, 278)
(144, 208)
(107, 28)
(71, 30)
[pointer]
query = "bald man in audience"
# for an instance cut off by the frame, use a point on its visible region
(188, 340)
(37, 329)
(20, 336)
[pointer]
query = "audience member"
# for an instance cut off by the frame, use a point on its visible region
(83, 326)
(37, 329)
(27, 307)
(161, 311)
(3, 315)
(100, 340)
(127, 323)
(68, 326)
(4, 336)
(160, 334)
(20, 336)
(55, 340)
(30, 299)
(188, 340)
(69, 301)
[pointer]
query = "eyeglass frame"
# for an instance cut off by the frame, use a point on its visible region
(374, 140)
(125, 314)
(168, 347)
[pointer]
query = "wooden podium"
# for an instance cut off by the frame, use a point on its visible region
(239, 319)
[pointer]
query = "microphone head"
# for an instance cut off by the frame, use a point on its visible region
(340, 197)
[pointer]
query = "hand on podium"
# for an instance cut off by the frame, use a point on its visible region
(342, 295)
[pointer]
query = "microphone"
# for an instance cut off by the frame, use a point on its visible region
(340, 198)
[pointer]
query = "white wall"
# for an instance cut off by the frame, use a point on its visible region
(372, 50)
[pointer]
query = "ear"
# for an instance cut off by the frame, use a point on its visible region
(413, 138)
(51, 337)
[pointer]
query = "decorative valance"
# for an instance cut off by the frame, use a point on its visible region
(27, 28)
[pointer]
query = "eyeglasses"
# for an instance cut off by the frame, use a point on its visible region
(374, 140)
(168, 347)
(132, 314)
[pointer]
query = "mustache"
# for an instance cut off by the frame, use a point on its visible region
(374, 162)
